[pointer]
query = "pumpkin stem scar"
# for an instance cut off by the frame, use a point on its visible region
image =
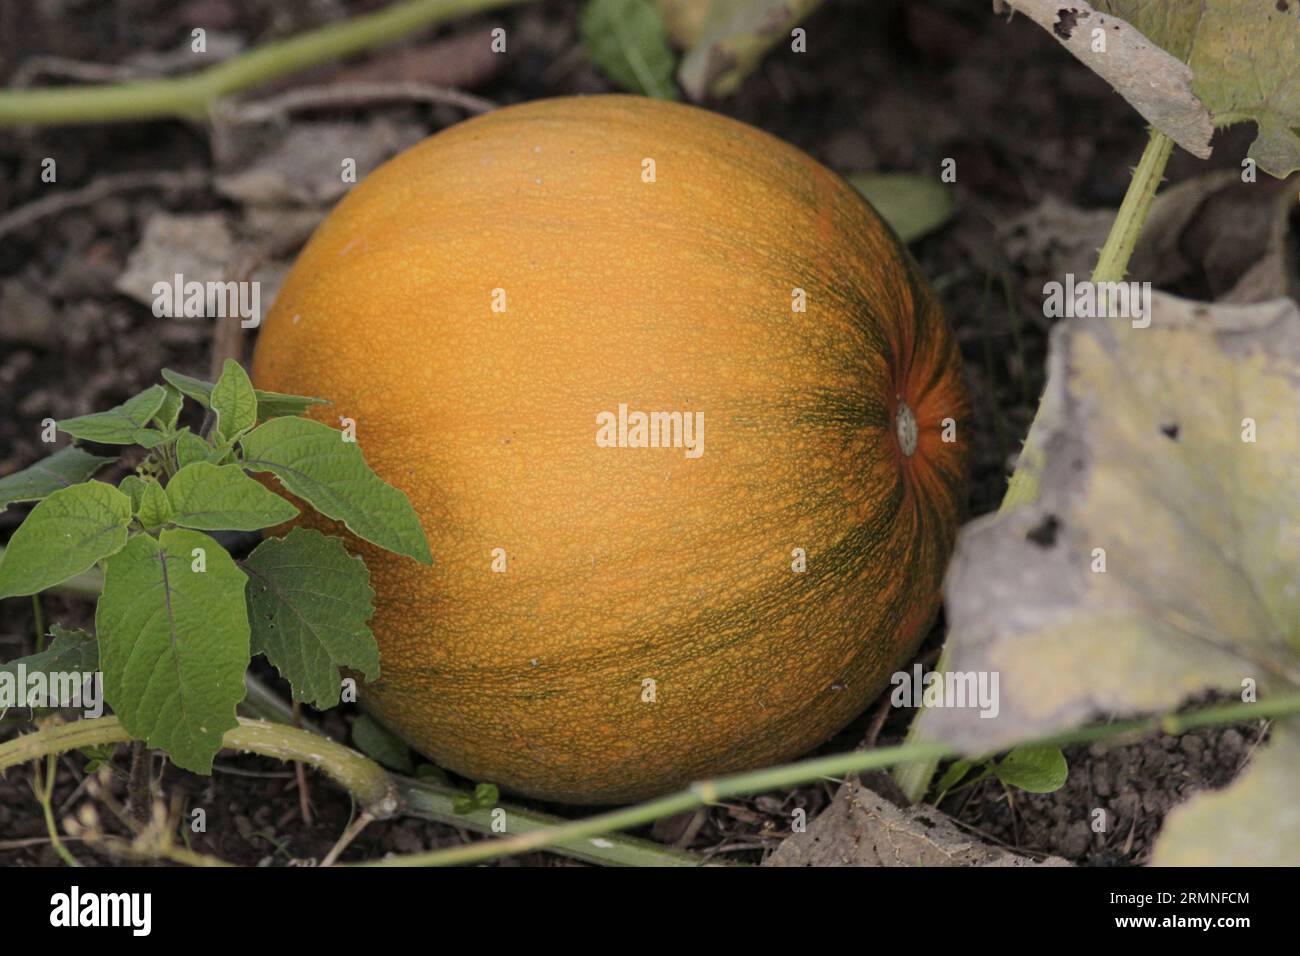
(905, 428)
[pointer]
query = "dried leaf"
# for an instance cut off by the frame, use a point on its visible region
(1156, 84)
(1160, 559)
(733, 37)
(862, 828)
(1187, 67)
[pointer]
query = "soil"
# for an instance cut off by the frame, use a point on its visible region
(890, 85)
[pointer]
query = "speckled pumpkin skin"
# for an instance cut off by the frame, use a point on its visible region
(627, 566)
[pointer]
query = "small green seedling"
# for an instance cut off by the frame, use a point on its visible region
(179, 618)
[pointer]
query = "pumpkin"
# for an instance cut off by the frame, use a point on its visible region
(683, 424)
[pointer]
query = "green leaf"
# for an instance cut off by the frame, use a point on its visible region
(913, 205)
(127, 424)
(173, 636)
(463, 804)
(153, 509)
(133, 487)
(67, 466)
(314, 463)
(222, 452)
(379, 745)
(170, 411)
(222, 498)
(189, 386)
(484, 797)
(629, 41)
(269, 404)
(276, 404)
(234, 401)
(1034, 768)
(190, 448)
(97, 756)
(65, 534)
(71, 650)
(308, 604)
(954, 775)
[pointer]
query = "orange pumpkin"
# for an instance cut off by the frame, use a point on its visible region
(605, 621)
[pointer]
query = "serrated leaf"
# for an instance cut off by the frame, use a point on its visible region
(1033, 768)
(313, 462)
(127, 424)
(65, 534)
(174, 643)
(70, 651)
(308, 604)
(375, 741)
(170, 410)
(1161, 556)
(67, 466)
(222, 498)
(733, 37)
(234, 401)
(629, 41)
(190, 448)
(1254, 821)
(153, 510)
(913, 205)
(269, 404)
(97, 756)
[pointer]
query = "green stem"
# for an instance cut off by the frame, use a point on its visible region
(914, 778)
(192, 96)
(1112, 263)
(434, 802)
(38, 621)
(359, 775)
(1112, 266)
(363, 778)
(834, 766)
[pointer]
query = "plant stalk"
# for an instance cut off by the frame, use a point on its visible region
(192, 96)
(1112, 266)
(359, 775)
(834, 766)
